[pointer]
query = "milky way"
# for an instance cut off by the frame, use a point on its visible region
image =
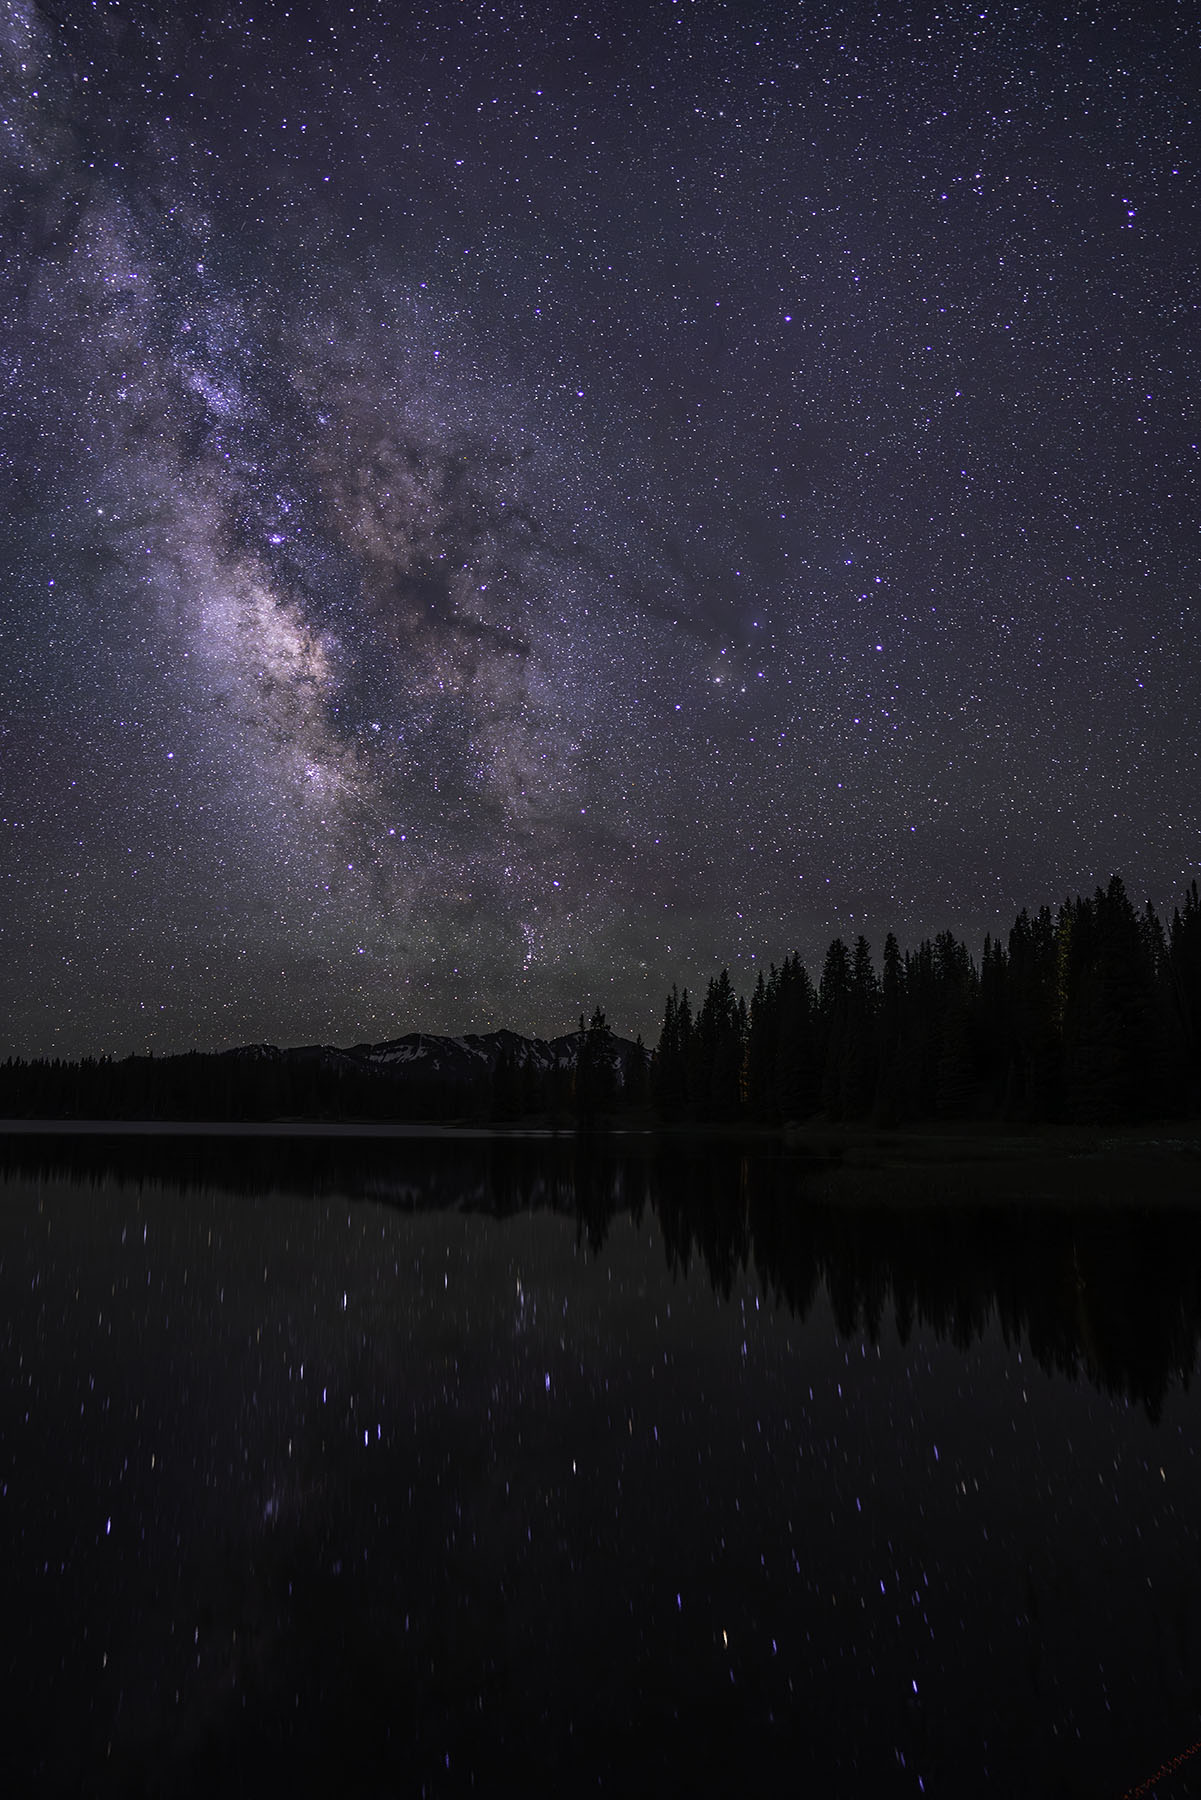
(504, 509)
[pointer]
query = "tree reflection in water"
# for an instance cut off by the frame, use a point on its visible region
(1110, 1293)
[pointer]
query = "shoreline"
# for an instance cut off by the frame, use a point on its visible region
(861, 1146)
(984, 1136)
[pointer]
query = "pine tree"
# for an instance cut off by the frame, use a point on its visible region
(1109, 1009)
(670, 1065)
(635, 1091)
(595, 1078)
(1033, 1082)
(716, 1052)
(886, 1111)
(857, 1070)
(1184, 950)
(833, 1007)
(761, 1040)
(797, 1073)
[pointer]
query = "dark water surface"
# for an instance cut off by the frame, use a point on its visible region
(440, 1467)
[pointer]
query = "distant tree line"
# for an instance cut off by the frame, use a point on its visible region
(237, 1085)
(1089, 1013)
(580, 1081)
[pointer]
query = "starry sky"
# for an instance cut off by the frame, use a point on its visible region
(505, 507)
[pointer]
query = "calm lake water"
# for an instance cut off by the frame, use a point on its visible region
(448, 1467)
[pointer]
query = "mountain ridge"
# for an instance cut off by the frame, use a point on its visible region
(471, 1055)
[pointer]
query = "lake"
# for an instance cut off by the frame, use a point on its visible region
(440, 1467)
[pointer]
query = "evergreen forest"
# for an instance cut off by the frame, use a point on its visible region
(1089, 1013)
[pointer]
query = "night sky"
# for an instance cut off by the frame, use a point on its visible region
(503, 508)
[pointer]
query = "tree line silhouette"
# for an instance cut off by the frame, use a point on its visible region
(580, 1080)
(1089, 1013)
